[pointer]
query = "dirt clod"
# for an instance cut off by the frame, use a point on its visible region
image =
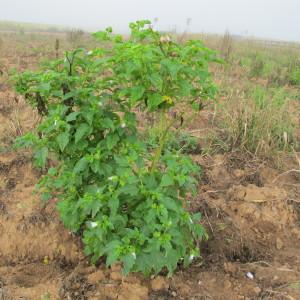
(133, 292)
(96, 277)
(159, 283)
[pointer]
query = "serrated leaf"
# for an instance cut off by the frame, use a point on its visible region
(82, 130)
(72, 116)
(128, 262)
(130, 189)
(111, 141)
(113, 204)
(95, 207)
(89, 116)
(41, 156)
(166, 180)
(111, 246)
(154, 101)
(80, 165)
(185, 88)
(62, 140)
(156, 80)
(137, 93)
(172, 260)
(170, 203)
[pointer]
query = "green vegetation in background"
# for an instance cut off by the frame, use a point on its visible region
(259, 123)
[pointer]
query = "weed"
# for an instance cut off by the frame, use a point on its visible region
(257, 66)
(258, 123)
(129, 202)
(227, 46)
(74, 37)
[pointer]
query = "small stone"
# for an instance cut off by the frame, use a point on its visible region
(96, 277)
(159, 283)
(174, 294)
(279, 244)
(249, 275)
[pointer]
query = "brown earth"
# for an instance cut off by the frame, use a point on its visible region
(250, 208)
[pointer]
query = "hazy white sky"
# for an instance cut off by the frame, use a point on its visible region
(275, 19)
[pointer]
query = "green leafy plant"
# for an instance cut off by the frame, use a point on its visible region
(129, 202)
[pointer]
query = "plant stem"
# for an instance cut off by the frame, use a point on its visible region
(164, 129)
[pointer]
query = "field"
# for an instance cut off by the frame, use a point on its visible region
(247, 144)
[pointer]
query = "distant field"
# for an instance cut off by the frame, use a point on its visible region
(30, 27)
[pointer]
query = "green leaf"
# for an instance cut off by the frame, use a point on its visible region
(89, 116)
(72, 116)
(172, 260)
(112, 252)
(172, 67)
(185, 88)
(63, 140)
(113, 204)
(171, 203)
(41, 156)
(81, 131)
(128, 262)
(111, 141)
(112, 257)
(130, 189)
(154, 101)
(111, 246)
(46, 196)
(137, 93)
(166, 180)
(156, 80)
(44, 87)
(96, 205)
(80, 165)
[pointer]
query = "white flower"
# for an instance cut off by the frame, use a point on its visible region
(134, 255)
(191, 257)
(123, 125)
(93, 224)
(89, 53)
